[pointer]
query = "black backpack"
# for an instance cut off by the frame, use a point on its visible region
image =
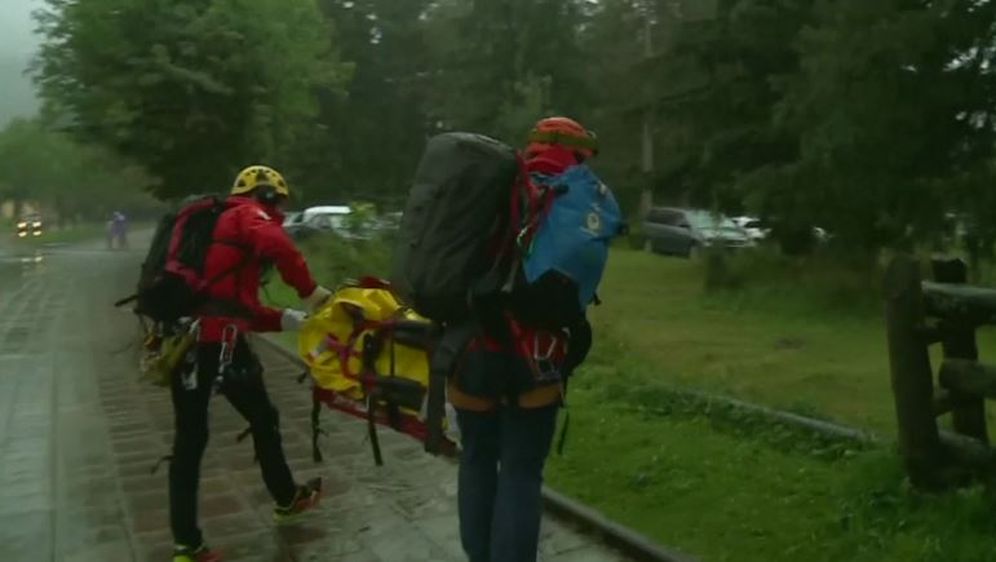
(451, 236)
(171, 283)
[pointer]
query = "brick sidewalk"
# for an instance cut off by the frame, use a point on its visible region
(79, 435)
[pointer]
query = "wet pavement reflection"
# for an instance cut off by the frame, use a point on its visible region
(79, 435)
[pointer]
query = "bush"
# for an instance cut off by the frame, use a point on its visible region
(636, 238)
(819, 281)
(334, 260)
(720, 274)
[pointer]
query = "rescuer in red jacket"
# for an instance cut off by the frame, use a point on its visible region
(249, 235)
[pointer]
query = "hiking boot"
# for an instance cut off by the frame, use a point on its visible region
(306, 498)
(202, 553)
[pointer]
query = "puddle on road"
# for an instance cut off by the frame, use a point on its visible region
(16, 336)
(17, 267)
(22, 257)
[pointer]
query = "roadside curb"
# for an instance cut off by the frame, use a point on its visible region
(629, 542)
(825, 428)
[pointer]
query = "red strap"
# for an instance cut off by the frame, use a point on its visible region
(371, 282)
(522, 346)
(346, 351)
(410, 424)
(505, 241)
(541, 201)
(526, 342)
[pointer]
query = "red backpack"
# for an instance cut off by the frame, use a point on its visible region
(172, 283)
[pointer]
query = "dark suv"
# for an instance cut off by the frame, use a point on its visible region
(685, 232)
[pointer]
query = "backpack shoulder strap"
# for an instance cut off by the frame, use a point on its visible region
(239, 265)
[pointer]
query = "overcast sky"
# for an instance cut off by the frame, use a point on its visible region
(17, 44)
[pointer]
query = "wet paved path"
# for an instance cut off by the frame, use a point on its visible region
(79, 435)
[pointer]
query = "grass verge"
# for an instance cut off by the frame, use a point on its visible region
(727, 489)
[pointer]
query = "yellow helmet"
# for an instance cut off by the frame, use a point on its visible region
(255, 177)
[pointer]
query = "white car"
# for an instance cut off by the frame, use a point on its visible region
(337, 212)
(323, 218)
(758, 230)
(754, 227)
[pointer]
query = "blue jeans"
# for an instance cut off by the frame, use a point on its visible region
(500, 482)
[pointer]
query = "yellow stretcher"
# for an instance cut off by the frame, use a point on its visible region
(368, 356)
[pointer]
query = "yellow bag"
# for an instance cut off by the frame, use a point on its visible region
(162, 362)
(369, 357)
(331, 341)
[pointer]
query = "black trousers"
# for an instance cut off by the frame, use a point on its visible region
(244, 389)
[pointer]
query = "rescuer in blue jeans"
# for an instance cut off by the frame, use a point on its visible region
(500, 509)
(507, 419)
(507, 389)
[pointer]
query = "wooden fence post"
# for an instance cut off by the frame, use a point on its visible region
(969, 410)
(912, 381)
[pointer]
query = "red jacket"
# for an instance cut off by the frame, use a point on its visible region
(247, 235)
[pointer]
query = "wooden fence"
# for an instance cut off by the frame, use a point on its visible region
(920, 314)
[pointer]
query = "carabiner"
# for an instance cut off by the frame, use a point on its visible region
(549, 350)
(229, 339)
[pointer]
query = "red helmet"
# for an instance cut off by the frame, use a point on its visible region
(562, 131)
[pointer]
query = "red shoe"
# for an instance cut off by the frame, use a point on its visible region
(202, 553)
(306, 498)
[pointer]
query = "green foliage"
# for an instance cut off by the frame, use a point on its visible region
(870, 119)
(892, 109)
(68, 179)
(373, 135)
(193, 90)
(504, 65)
(716, 90)
(335, 261)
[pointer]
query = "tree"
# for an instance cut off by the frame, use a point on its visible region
(716, 85)
(614, 46)
(192, 89)
(504, 64)
(67, 179)
(893, 108)
(376, 131)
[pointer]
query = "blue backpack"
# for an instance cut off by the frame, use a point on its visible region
(566, 247)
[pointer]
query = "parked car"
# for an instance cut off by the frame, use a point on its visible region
(324, 218)
(293, 218)
(755, 228)
(759, 229)
(391, 221)
(30, 226)
(685, 232)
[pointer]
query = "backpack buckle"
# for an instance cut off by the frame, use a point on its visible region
(544, 360)
(229, 339)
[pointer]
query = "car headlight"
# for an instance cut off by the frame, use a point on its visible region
(22, 234)
(22, 225)
(36, 224)
(38, 233)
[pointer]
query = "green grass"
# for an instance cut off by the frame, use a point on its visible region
(805, 338)
(812, 341)
(731, 496)
(773, 348)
